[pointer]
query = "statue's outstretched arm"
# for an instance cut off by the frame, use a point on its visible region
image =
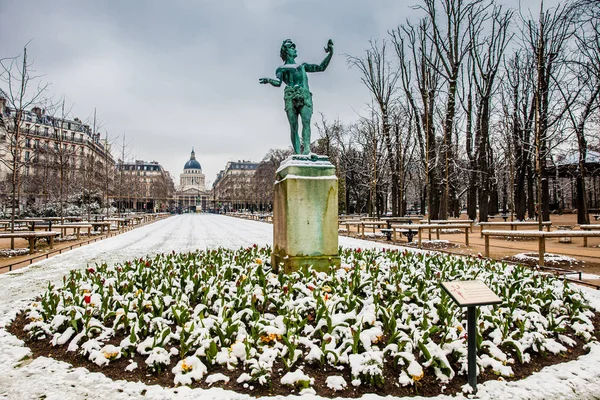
(323, 66)
(274, 82)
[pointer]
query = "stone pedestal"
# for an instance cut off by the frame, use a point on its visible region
(305, 214)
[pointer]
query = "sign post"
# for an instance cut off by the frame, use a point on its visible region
(471, 294)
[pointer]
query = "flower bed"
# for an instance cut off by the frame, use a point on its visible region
(380, 323)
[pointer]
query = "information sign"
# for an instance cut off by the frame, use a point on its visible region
(471, 293)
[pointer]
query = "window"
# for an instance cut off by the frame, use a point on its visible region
(46, 130)
(28, 143)
(27, 155)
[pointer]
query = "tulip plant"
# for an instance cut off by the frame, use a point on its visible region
(191, 313)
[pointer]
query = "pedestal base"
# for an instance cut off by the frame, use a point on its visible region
(305, 214)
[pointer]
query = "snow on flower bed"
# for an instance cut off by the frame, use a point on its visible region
(212, 316)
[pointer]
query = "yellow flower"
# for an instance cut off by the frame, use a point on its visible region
(110, 355)
(377, 339)
(259, 261)
(139, 291)
(271, 337)
(459, 328)
(185, 368)
(417, 378)
(326, 289)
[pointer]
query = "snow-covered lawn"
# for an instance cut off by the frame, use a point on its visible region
(576, 379)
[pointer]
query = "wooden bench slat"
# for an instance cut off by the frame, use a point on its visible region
(540, 235)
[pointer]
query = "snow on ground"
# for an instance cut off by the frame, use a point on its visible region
(32, 379)
(549, 257)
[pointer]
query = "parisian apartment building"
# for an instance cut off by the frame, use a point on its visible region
(47, 149)
(143, 186)
(232, 189)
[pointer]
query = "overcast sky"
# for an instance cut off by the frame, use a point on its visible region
(169, 75)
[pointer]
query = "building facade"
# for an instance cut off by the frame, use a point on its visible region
(192, 195)
(233, 189)
(143, 187)
(53, 157)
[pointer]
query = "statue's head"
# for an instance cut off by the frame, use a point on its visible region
(287, 47)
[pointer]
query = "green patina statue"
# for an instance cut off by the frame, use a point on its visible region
(297, 96)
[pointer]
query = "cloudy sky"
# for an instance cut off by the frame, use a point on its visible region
(169, 75)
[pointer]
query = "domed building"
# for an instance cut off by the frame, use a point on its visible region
(192, 195)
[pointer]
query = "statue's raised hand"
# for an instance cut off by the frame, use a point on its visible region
(264, 80)
(329, 48)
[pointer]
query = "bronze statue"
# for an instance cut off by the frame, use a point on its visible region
(297, 96)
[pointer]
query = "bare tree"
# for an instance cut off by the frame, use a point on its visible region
(380, 77)
(486, 54)
(16, 75)
(419, 73)
(547, 39)
(450, 37)
(64, 157)
(585, 91)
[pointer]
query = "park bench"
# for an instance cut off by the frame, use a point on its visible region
(588, 228)
(398, 220)
(100, 224)
(514, 225)
(28, 223)
(347, 224)
(447, 222)
(76, 228)
(120, 222)
(32, 237)
(373, 224)
(391, 233)
(437, 227)
(387, 232)
(540, 235)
